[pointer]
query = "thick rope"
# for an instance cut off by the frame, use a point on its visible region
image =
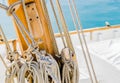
(48, 67)
(70, 72)
(47, 61)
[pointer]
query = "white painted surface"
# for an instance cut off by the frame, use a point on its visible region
(105, 55)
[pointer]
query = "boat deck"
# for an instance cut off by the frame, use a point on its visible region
(104, 49)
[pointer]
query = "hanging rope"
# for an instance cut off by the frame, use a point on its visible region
(64, 26)
(80, 39)
(8, 49)
(3, 62)
(78, 20)
(18, 22)
(70, 72)
(59, 28)
(50, 26)
(46, 63)
(44, 69)
(26, 15)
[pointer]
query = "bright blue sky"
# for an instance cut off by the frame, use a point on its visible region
(93, 13)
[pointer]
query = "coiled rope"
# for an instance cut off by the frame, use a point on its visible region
(47, 64)
(42, 67)
(70, 72)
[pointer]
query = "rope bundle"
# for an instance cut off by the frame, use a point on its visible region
(70, 73)
(45, 70)
(39, 66)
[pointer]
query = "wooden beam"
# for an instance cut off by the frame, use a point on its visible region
(39, 24)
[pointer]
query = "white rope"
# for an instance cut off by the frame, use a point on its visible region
(44, 69)
(80, 39)
(86, 47)
(44, 7)
(59, 28)
(70, 73)
(64, 26)
(3, 62)
(3, 6)
(35, 69)
(8, 49)
(26, 15)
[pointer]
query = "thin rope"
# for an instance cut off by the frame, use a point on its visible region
(50, 64)
(62, 37)
(80, 40)
(22, 32)
(17, 21)
(50, 26)
(4, 62)
(3, 6)
(5, 40)
(64, 26)
(26, 15)
(79, 23)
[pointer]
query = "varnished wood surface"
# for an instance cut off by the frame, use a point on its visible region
(39, 25)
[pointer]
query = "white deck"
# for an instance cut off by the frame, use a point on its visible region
(105, 52)
(106, 60)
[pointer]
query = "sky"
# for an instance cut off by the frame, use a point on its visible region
(92, 13)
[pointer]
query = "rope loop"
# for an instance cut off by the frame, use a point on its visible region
(13, 7)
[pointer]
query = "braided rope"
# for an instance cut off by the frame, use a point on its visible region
(45, 66)
(59, 28)
(64, 26)
(86, 47)
(50, 26)
(70, 72)
(26, 15)
(80, 39)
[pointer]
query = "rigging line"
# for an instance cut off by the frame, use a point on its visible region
(8, 49)
(80, 39)
(50, 26)
(62, 37)
(64, 26)
(5, 40)
(24, 29)
(21, 30)
(3, 62)
(18, 22)
(3, 6)
(22, 25)
(79, 23)
(26, 15)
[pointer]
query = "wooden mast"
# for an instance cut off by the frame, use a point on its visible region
(39, 26)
